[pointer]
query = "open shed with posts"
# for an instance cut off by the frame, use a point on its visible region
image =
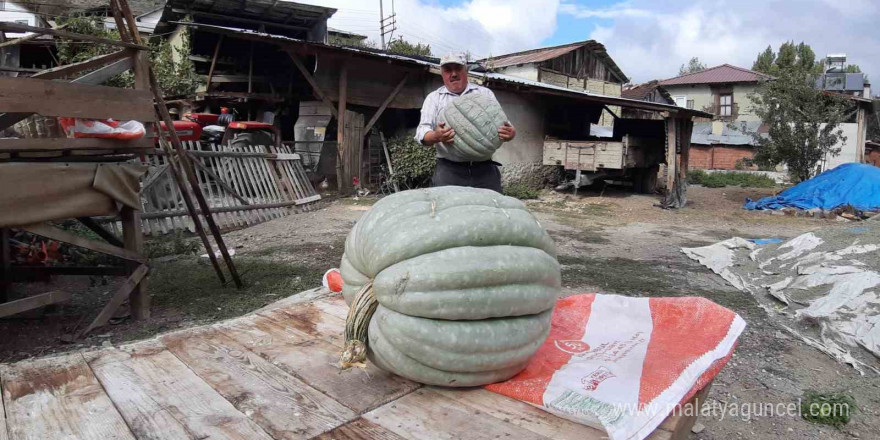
(89, 171)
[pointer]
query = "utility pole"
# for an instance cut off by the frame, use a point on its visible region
(387, 25)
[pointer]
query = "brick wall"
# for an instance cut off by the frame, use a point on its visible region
(718, 157)
(872, 157)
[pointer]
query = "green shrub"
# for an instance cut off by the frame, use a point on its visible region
(833, 409)
(520, 191)
(413, 163)
(720, 180)
(177, 244)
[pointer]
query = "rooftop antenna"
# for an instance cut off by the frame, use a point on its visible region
(387, 25)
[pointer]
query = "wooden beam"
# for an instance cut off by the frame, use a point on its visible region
(91, 63)
(44, 230)
(98, 229)
(248, 21)
(103, 74)
(5, 263)
(54, 98)
(14, 27)
(27, 37)
(671, 166)
(190, 174)
(133, 240)
(312, 82)
(214, 62)
(33, 302)
(385, 103)
(62, 144)
(153, 178)
(120, 22)
(220, 209)
(341, 163)
(122, 293)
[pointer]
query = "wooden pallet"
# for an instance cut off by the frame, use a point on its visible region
(268, 375)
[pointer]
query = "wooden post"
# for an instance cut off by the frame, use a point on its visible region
(687, 126)
(213, 63)
(671, 166)
(341, 164)
(862, 134)
(138, 299)
(6, 261)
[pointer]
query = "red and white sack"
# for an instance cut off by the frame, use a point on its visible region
(622, 364)
(102, 128)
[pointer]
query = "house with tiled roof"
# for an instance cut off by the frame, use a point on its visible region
(721, 90)
(584, 66)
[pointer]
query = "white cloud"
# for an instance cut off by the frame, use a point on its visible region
(483, 27)
(655, 45)
(647, 39)
(623, 9)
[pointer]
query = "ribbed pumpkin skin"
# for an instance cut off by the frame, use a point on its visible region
(466, 279)
(475, 118)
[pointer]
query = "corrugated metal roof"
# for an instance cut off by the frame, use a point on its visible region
(641, 91)
(741, 134)
(595, 97)
(548, 53)
(486, 78)
(724, 73)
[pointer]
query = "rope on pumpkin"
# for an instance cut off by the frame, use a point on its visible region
(356, 324)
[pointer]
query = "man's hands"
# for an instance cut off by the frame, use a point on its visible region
(445, 134)
(441, 134)
(506, 132)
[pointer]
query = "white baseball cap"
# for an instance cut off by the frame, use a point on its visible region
(453, 58)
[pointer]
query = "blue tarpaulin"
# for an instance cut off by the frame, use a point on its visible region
(849, 184)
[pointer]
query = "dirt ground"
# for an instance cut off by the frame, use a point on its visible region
(610, 241)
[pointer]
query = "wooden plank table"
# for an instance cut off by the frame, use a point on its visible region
(269, 375)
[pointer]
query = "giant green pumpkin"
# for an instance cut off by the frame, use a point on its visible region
(465, 279)
(475, 117)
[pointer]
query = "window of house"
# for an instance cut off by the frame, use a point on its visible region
(690, 104)
(680, 101)
(725, 105)
(24, 22)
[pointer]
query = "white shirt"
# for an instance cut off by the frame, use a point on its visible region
(435, 103)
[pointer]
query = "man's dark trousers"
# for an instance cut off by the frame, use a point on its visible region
(474, 174)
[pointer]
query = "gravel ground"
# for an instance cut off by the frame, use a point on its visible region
(610, 241)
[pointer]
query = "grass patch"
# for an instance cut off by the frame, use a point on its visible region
(833, 409)
(720, 180)
(190, 286)
(178, 243)
(520, 191)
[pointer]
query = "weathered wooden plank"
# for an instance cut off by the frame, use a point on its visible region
(14, 27)
(359, 429)
(32, 302)
(309, 319)
(316, 362)
(58, 398)
(91, 63)
(55, 98)
(3, 431)
(333, 306)
(161, 398)
(281, 404)
(125, 291)
(518, 413)
(60, 144)
(54, 233)
(425, 414)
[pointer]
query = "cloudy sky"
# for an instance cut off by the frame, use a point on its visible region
(648, 39)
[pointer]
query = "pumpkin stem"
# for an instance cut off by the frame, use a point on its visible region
(356, 325)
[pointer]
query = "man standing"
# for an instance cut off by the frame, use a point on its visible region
(485, 174)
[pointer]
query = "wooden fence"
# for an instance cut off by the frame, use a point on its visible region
(244, 186)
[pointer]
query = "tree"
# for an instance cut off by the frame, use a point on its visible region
(790, 56)
(404, 47)
(693, 66)
(175, 75)
(804, 122)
